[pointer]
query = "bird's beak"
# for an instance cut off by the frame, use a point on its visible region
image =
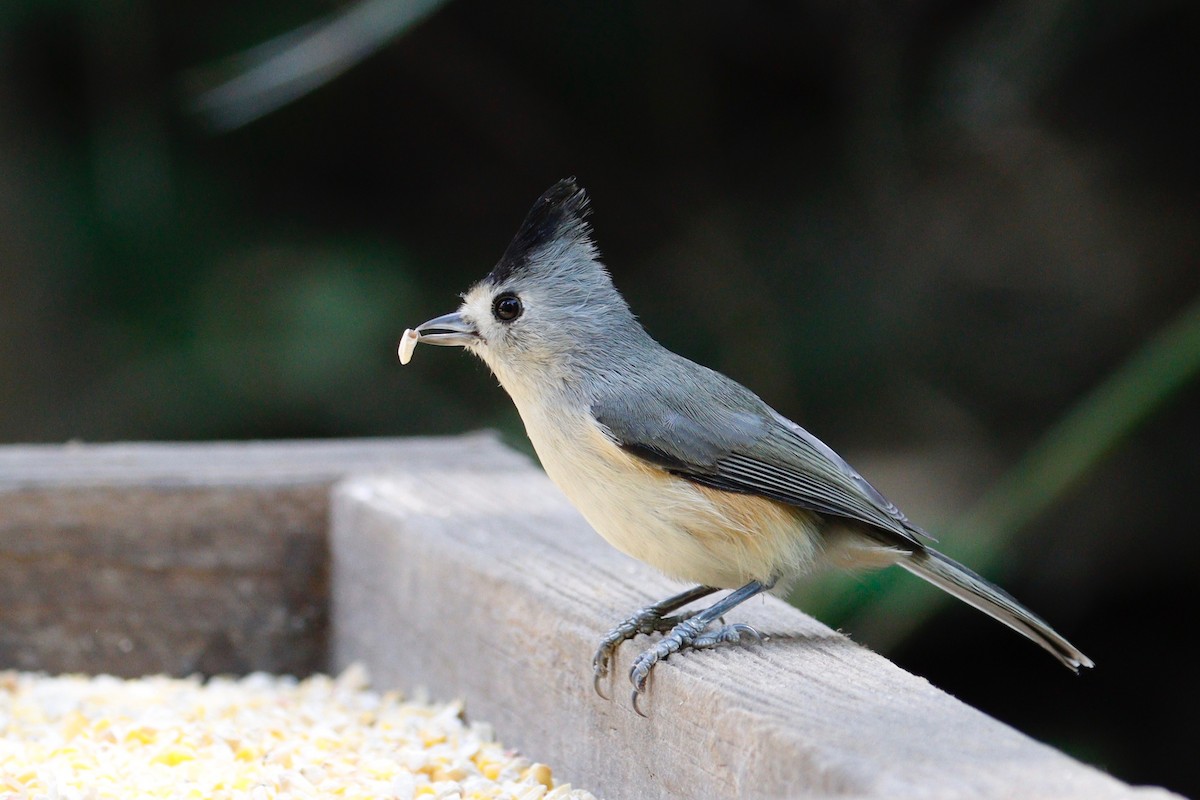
(448, 330)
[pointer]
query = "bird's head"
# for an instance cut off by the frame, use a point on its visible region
(548, 307)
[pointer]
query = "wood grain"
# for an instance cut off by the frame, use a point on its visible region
(454, 565)
(179, 558)
(490, 587)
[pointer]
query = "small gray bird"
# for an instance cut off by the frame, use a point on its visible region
(671, 462)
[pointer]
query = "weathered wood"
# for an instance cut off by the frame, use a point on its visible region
(489, 587)
(134, 559)
(457, 567)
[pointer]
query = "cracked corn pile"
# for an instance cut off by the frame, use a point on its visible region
(258, 737)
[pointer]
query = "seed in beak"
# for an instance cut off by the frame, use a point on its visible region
(408, 343)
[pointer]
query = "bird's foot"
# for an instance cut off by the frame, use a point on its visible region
(687, 635)
(646, 621)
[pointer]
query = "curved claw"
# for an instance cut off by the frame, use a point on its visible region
(633, 700)
(682, 636)
(685, 636)
(600, 662)
(638, 676)
(596, 678)
(646, 621)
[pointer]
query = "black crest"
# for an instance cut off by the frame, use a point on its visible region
(560, 213)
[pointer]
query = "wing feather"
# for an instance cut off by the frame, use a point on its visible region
(727, 438)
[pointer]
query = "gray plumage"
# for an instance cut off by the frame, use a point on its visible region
(673, 462)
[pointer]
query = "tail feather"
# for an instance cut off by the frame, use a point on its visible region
(966, 585)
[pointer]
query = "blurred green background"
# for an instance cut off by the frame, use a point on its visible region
(957, 240)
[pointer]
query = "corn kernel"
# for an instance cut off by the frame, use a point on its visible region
(255, 738)
(74, 723)
(539, 773)
(247, 753)
(142, 735)
(173, 757)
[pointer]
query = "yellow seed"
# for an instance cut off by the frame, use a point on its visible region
(230, 744)
(430, 738)
(380, 768)
(143, 735)
(447, 773)
(74, 724)
(539, 773)
(173, 757)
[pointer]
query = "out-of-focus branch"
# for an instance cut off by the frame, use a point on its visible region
(276, 72)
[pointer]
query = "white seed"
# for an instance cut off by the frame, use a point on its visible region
(159, 737)
(408, 343)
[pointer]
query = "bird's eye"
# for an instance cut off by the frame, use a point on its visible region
(507, 307)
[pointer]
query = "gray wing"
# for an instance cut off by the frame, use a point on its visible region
(723, 436)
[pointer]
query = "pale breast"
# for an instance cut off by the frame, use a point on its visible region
(687, 531)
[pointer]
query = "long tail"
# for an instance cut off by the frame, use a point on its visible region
(964, 584)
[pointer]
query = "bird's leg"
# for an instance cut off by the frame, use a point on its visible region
(650, 619)
(689, 634)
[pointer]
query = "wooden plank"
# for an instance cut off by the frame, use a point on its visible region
(457, 567)
(486, 585)
(145, 464)
(180, 579)
(179, 558)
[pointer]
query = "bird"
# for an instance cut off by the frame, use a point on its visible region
(674, 463)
